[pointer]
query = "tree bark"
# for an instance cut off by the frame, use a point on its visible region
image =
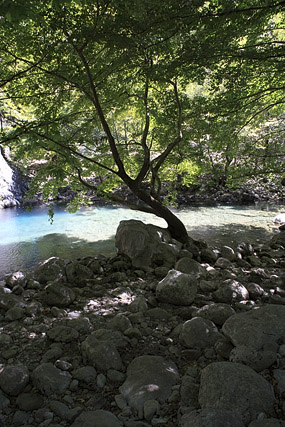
(174, 225)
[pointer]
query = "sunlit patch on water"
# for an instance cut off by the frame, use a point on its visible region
(27, 237)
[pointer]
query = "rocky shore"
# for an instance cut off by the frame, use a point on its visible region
(159, 335)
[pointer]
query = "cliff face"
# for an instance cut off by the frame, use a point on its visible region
(12, 183)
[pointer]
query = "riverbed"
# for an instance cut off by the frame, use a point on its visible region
(28, 237)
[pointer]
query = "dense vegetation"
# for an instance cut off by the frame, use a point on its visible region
(139, 92)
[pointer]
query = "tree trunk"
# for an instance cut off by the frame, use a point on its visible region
(174, 225)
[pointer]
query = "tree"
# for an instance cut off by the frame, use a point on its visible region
(78, 71)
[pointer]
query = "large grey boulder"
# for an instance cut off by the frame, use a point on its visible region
(57, 294)
(50, 270)
(177, 288)
(212, 418)
(217, 313)
(267, 422)
(50, 380)
(97, 418)
(199, 333)
(236, 387)
(61, 333)
(146, 244)
(148, 378)
(250, 356)
(78, 273)
(13, 379)
(103, 355)
(189, 266)
(262, 326)
(230, 291)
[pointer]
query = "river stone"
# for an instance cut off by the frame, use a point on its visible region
(258, 327)
(268, 422)
(62, 334)
(279, 375)
(223, 263)
(199, 333)
(4, 401)
(86, 374)
(103, 355)
(228, 253)
(49, 270)
(146, 244)
(148, 378)
(78, 273)
(16, 279)
(30, 401)
(14, 313)
(13, 379)
(212, 417)
(189, 266)
(97, 418)
(8, 301)
(217, 313)
(50, 380)
(120, 323)
(56, 294)
(115, 337)
(208, 255)
(80, 324)
(230, 291)
(255, 291)
(236, 387)
(255, 359)
(139, 304)
(177, 288)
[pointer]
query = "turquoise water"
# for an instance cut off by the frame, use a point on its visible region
(28, 237)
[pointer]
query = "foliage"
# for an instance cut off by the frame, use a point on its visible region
(137, 91)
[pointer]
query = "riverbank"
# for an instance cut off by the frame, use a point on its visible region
(199, 343)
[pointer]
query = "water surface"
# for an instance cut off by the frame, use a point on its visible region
(28, 237)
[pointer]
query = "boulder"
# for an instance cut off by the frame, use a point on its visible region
(228, 253)
(50, 270)
(257, 328)
(50, 380)
(216, 312)
(177, 288)
(103, 355)
(212, 417)
(267, 422)
(189, 266)
(255, 359)
(78, 273)
(148, 378)
(97, 418)
(86, 374)
(16, 279)
(199, 333)
(230, 291)
(13, 379)
(208, 255)
(236, 387)
(57, 294)
(60, 333)
(146, 244)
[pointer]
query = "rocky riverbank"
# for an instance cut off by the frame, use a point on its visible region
(162, 335)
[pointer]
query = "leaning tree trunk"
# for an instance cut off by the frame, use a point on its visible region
(174, 225)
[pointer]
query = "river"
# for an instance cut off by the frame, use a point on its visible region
(28, 237)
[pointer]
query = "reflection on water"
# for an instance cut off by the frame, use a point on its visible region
(28, 237)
